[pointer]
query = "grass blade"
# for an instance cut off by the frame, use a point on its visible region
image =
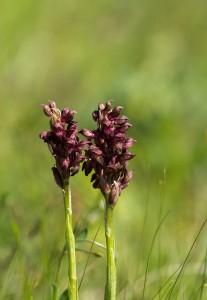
(89, 254)
(185, 261)
(150, 251)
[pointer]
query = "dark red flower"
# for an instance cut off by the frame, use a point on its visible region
(108, 152)
(63, 142)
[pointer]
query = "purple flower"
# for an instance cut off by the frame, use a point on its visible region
(63, 142)
(108, 153)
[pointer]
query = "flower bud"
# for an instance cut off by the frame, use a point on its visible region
(94, 177)
(46, 110)
(108, 105)
(113, 196)
(94, 150)
(67, 115)
(87, 167)
(125, 127)
(74, 169)
(120, 120)
(120, 134)
(128, 176)
(64, 163)
(101, 106)
(125, 157)
(116, 111)
(43, 135)
(52, 104)
(118, 146)
(129, 142)
(57, 177)
(87, 133)
(81, 145)
(72, 129)
(96, 184)
(77, 160)
(58, 129)
(108, 130)
(95, 115)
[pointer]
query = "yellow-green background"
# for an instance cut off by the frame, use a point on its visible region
(150, 57)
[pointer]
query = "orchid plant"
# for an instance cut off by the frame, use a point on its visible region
(64, 145)
(106, 155)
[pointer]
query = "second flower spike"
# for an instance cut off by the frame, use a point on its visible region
(108, 152)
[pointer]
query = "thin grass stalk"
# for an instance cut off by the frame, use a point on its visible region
(185, 261)
(110, 289)
(70, 243)
(55, 285)
(89, 254)
(204, 275)
(150, 252)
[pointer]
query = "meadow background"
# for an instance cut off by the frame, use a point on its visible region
(150, 57)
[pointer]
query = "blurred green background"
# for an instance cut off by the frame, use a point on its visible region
(150, 57)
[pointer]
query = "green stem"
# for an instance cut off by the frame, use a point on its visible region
(55, 292)
(70, 243)
(110, 289)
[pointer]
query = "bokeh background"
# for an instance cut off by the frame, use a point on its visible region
(150, 57)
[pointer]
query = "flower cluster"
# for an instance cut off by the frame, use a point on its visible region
(63, 142)
(108, 152)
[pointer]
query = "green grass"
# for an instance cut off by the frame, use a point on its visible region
(150, 57)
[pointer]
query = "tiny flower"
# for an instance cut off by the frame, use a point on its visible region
(57, 177)
(129, 142)
(108, 105)
(125, 181)
(114, 194)
(63, 142)
(108, 155)
(46, 110)
(52, 104)
(67, 115)
(116, 111)
(101, 106)
(87, 133)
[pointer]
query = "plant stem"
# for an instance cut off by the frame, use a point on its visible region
(70, 243)
(110, 289)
